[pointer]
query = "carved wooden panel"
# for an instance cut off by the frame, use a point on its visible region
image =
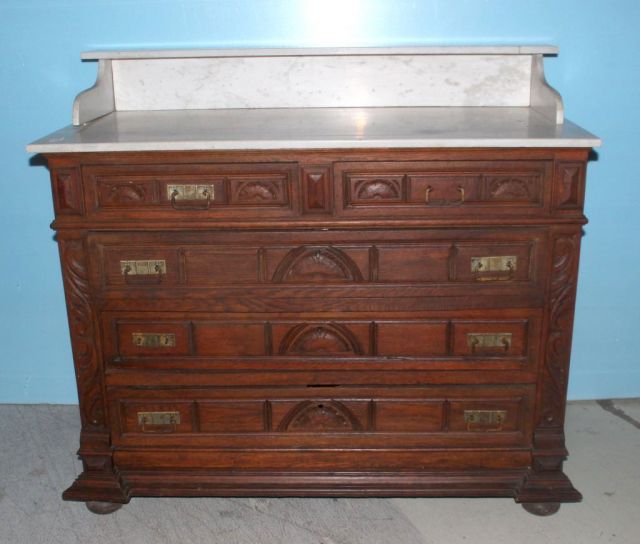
(126, 192)
(562, 291)
(320, 416)
(81, 326)
(320, 339)
(67, 191)
(375, 189)
(568, 190)
(317, 194)
(316, 264)
(511, 187)
(263, 191)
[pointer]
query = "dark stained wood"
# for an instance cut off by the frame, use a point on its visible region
(321, 308)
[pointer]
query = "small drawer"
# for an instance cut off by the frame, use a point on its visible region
(189, 188)
(442, 187)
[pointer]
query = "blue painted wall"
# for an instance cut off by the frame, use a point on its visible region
(597, 72)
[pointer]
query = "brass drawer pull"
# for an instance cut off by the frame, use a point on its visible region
(494, 267)
(489, 340)
(153, 339)
(143, 271)
(426, 194)
(461, 191)
(484, 420)
(190, 193)
(158, 422)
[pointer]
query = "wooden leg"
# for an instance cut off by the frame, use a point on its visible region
(102, 507)
(541, 508)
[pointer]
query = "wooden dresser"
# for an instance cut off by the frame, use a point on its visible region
(287, 277)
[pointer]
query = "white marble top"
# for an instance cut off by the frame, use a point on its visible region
(324, 51)
(316, 128)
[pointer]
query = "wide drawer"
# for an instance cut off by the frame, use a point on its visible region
(488, 259)
(490, 340)
(442, 188)
(349, 417)
(192, 191)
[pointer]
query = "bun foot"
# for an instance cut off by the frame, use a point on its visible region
(541, 508)
(102, 507)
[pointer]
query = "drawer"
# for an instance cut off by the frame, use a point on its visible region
(349, 417)
(497, 340)
(435, 188)
(488, 257)
(191, 190)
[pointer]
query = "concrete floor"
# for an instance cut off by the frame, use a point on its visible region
(37, 461)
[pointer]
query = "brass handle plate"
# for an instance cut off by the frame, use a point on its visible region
(484, 420)
(145, 267)
(494, 267)
(479, 341)
(153, 339)
(190, 192)
(158, 422)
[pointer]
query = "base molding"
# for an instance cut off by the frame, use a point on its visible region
(326, 484)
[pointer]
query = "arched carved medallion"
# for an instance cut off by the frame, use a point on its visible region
(257, 192)
(312, 264)
(320, 416)
(378, 189)
(125, 193)
(511, 188)
(320, 339)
